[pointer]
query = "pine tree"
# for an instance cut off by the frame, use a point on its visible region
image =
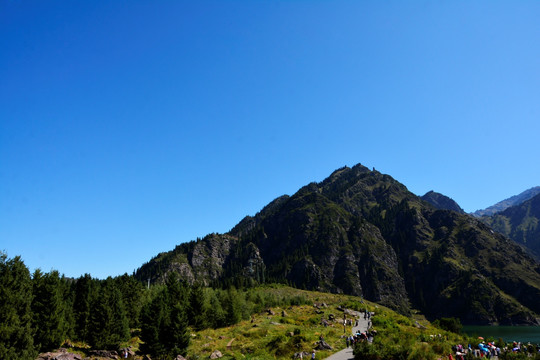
(48, 311)
(108, 324)
(68, 297)
(215, 312)
(233, 306)
(81, 306)
(132, 297)
(96, 328)
(118, 323)
(15, 310)
(152, 324)
(175, 335)
(197, 308)
(164, 325)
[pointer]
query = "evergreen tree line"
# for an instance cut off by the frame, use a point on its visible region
(40, 311)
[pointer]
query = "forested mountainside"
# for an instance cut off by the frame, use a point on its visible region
(520, 223)
(362, 232)
(511, 201)
(442, 202)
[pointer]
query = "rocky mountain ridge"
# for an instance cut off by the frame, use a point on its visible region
(362, 232)
(511, 201)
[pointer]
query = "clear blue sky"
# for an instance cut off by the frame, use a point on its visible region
(128, 127)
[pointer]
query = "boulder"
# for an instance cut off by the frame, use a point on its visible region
(216, 355)
(270, 312)
(284, 314)
(180, 357)
(323, 345)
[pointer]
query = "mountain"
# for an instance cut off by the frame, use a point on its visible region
(442, 202)
(520, 223)
(512, 201)
(361, 232)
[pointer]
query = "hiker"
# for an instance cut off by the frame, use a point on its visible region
(313, 355)
(347, 341)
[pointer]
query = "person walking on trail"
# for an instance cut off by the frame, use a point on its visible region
(313, 355)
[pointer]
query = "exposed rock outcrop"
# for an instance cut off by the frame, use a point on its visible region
(60, 354)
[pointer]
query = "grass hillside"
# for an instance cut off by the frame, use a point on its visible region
(281, 331)
(296, 328)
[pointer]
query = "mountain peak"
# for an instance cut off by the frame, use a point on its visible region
(441, 202)
(362, 233)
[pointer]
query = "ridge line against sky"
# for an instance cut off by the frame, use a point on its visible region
(127, 128)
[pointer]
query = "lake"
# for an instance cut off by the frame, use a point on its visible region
(507, 333)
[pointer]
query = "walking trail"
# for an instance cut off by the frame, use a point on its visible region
(347, 353)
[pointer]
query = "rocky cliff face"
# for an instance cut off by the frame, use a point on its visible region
(361, 232)
(202, 261)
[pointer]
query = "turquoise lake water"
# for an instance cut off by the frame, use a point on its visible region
(507, 333)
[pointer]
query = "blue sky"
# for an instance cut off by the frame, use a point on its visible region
(128, 127)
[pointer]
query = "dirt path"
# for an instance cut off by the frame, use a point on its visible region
(347, 354)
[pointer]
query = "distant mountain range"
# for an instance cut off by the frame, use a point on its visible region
(520, 223)
(516, 217)
(362, 232)
(505, 204)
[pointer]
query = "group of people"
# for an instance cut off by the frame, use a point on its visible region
(358, 337)
(490, 350)
(530, 348)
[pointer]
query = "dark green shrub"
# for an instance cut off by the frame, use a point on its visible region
(449, 324)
